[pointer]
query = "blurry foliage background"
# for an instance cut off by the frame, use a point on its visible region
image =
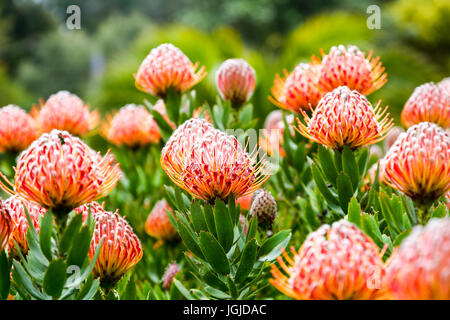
(39, 55)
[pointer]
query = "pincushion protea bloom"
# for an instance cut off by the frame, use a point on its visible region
(17, 129)
(271, 137)
(5, 226)
(418, 164)
(338, 262)
(419, 269)
(298, 89)
(60, 171)
(346, 118)
(428, 103)
(235, 80)
(167, 67)
(210, 164)
(170, 273)
(348, 66)
(132, 126)
(15, 206)
(245, 202)
(158, 224)
(120, 248)
(66, 111)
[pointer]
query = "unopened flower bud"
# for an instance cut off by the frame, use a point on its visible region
(265, 206)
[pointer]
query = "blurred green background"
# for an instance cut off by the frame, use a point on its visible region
(39, 55)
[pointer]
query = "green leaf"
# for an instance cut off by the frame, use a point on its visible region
(5, 271)
(252, 228)
(173, 104)
(189, 240)
(23, 280)
(182, 289)
(398, 240)
(79, 253)
(198, 220)
(246, 113)
(130, 291)
(45, 235)
(232, 287)
(55, 278)
(212, 280)
(344, 188)
(323, 188)
(89, 289)
(247, 261)
(350, 167)
(370, 227)
(327, 164)
(214, 253)
(209, 218)
(224, 225)
(354, 212)
(69, 234)
(270, 248)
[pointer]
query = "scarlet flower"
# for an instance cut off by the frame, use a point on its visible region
(419, 268)
(271, 139)
(210, 164)
(17, 129)
(334, 263)
(60, 171)
(428, 103)
(19, 226)
(235, 80)
(120, 248)
(348, 66)
(66, 111)
(245, 202)
(5, 226)
(418, 164)
(132, 126)
(346, 118)
(167, 67)
(297, 90)
(158, 224)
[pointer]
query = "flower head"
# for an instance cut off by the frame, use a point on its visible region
(419, 269)
(5, 226)
(158, 224)
(346, 118)
(428, 103)
(298, 89)
(264, 207)
(445, 85)
(132, 126)
(271, 138)
(235, 80)
(17, 129)
(348, 66)
(418, 164)
(338, 262)
(167, 67)
(170, 273)
(60, 171)
(15, 206)
(120, 248)
(66, 111)
(210, 164)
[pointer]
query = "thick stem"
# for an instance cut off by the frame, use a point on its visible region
(423, 214)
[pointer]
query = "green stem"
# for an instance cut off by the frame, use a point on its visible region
(423, 214)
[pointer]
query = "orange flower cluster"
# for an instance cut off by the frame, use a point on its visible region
(66, 111)
(429, 103)
(346, 118)
(338, 262)
(132, 126)
(210, 164)
(418, 164)
(158, 224)
(271, 139)
(60, 171)
(17, 129)
(419, 269)
(5, 226)
(167, 67)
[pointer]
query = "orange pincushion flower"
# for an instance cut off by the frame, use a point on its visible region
(348, 66)
(271, 137)
(15, 207)
(334, 263)
(132, 126)
(419, 269)
(120, 249)
(235, 80)
(5, 226)
(158, 224)
(418, 164)
(429, 103)
(17, 129)
(346, 118)
(298, 89)
(210, 164)
(60, 171)
(167, 67)
(66, 111)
